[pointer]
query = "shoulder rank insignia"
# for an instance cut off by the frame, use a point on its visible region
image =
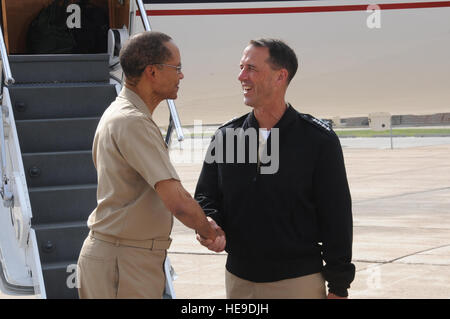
(317, 122)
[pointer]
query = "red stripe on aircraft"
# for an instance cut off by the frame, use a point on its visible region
(275, 10)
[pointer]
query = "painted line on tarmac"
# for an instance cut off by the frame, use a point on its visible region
(378, 263)
(363, 201)
(419, 252)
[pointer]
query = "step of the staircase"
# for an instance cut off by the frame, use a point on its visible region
(62, 204)
(56, 135)
(60, 279)
(59, 168)
(46, 101)
(60, 68)
(59, 248)
(60, 241)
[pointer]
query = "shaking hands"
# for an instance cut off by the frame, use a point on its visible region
(217, 245)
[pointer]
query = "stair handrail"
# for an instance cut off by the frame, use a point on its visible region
(174, 118)
(5, 61)
(5, 192)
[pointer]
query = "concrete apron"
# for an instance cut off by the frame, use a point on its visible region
(401, 211)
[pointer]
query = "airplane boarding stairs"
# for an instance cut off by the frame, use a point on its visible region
(56, 101)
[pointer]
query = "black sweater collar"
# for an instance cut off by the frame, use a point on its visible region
(289, 116)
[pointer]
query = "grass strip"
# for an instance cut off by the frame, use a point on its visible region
(395, 132)
(417, 132)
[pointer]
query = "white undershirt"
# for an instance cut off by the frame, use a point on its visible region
(264, 133)
(263, 136)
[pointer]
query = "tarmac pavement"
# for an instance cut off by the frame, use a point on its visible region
(401, 211)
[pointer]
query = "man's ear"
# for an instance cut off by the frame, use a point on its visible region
(283, 75)
(150, 71)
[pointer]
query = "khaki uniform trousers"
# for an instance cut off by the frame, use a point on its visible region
(304, 287)
(110, 270)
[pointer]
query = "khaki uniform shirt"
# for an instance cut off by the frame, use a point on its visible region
(130, 156)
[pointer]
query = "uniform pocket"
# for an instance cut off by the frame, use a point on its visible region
(99, 277)
(99, 250)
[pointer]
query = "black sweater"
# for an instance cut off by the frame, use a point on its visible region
(287, 224)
